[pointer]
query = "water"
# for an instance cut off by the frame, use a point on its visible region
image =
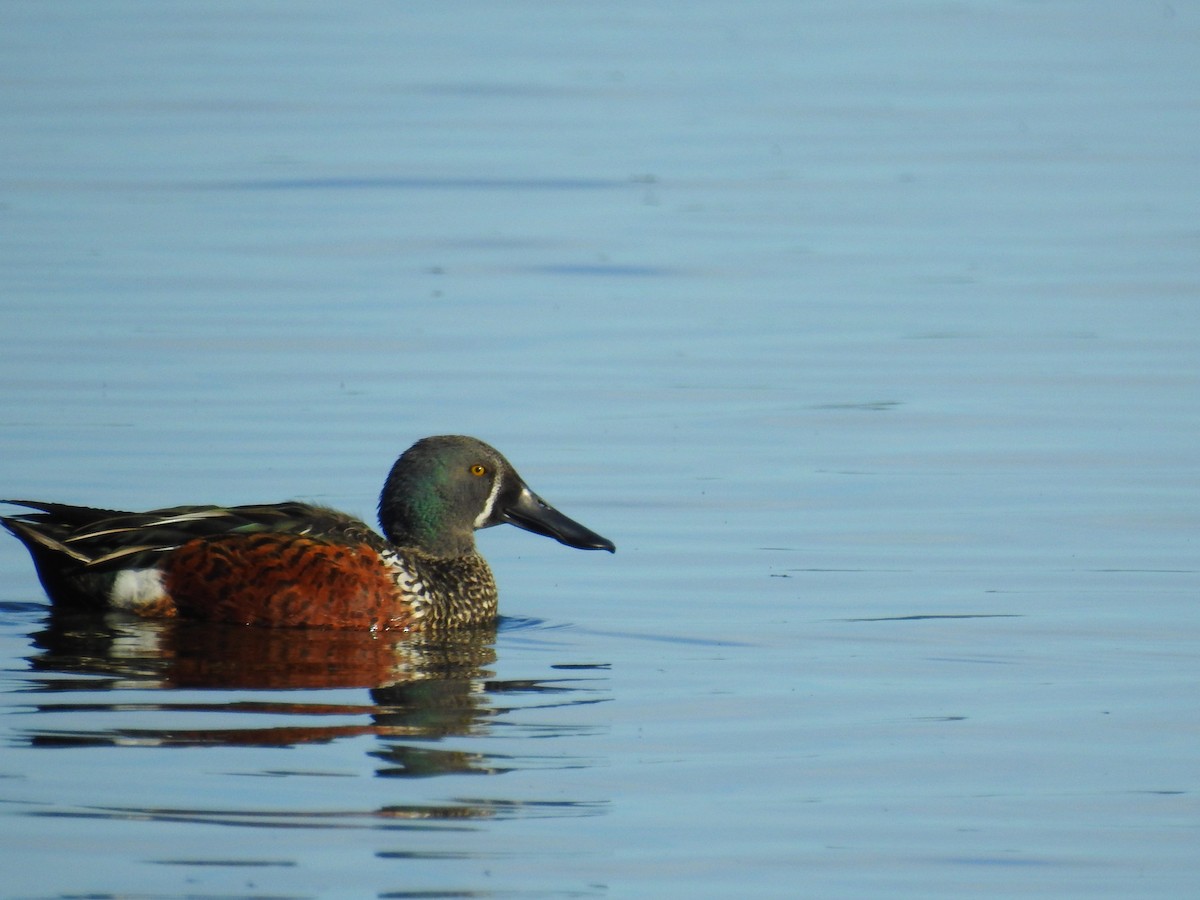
(867, 331)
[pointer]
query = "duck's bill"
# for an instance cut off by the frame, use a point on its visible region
(531, 512)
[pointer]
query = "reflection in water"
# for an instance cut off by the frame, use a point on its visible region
(419, 690)
(138, 653)
(386, 818)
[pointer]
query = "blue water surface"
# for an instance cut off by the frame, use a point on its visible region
(868, 331)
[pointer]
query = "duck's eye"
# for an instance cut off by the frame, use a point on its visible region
(477, 469)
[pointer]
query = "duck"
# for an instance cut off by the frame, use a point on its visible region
(299, 565)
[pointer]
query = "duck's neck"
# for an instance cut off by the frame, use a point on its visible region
(415, 518)
(451, 592)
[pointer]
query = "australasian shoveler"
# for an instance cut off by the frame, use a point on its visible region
(297, 565)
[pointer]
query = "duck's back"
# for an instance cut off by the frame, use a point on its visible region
(90, 557)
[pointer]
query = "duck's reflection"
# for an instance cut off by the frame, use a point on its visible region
(130, 652)
(276, 687)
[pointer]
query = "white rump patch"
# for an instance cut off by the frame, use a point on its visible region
(136, 588)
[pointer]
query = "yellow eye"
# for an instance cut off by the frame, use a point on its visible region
(477, 469)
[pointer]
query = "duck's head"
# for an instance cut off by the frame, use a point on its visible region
(442, 489)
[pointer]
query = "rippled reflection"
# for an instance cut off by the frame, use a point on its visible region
(392, 817)
(128, 652)
(114, 681)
